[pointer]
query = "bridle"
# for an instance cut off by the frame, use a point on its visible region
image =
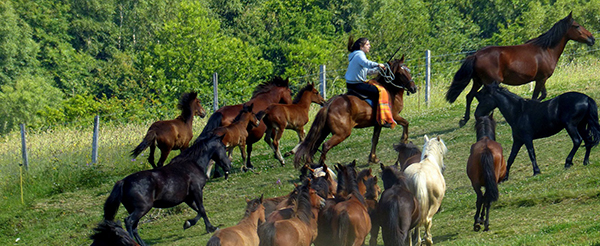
(389, 77)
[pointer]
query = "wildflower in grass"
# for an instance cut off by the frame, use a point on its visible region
(132, 159)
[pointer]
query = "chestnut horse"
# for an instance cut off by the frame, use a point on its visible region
(172, 134)
(236, 133)
(426, 182)
(265, 94)
(486, 167)
(397, 211)
(345, 112)
(279, 117)
(518, 64)
(245, 232)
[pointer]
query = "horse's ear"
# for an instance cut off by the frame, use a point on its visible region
(438, 138)
(570, 16)
(492, 115)
(402, 59)
(426, 138)
(353, 164)
(382, 166)
(247, 200)
(261, 198)
(370, 171)
(375, 179)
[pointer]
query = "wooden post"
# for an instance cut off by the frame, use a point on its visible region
(95, 141)
(428, 77)
(24, 148)
(322, 79)
(215, 92)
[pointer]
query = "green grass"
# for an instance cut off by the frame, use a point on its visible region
(64, 194)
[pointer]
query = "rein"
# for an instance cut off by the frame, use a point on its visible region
(389, 77)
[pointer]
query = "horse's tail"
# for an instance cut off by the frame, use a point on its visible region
(266, 233)
(316, 135)
(489, 175)
(214, 241)
(148, 140)
(593, 126)
(422, 196)
(461, 79)
(391, 228)
(343, 230)
(213, 122)
(111, 206)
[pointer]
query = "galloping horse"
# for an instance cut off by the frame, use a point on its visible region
(518, 64)
(273, 91)
(279, 117)
(397, 211)
(486, 167)
(180, 181)
(344, 112)
(245, 232)
(427, 184)
(236, 133)
(110, 233)
(172, 134)
(530, 119)
(408, 153)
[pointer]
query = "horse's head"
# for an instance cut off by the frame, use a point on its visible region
(255, 206)
(401, 76)
(218, 152)
(391, 175)
(247, 114)
(485, 126)
(198, 109)
(315, 96)
(487, 99)
(373, 189)
(579, 33)
(405, 151)
(435, 149)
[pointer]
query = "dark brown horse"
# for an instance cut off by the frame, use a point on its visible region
(173, 134)
(245, 232)
(397, 210)
(345, 112)
(279, 117)
(236, 133)
(372, 200)
(110, 233)
(486, 167)
(300, 229)
(180, 181)
(518, 64)
(408, 153)
(265, 94)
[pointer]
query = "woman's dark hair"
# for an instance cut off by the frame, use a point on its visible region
(352, 46)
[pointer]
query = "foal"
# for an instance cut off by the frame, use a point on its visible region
(245, 232)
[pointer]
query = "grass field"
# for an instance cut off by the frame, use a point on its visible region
(64, 193)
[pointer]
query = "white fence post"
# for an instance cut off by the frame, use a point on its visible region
(24, 148)
(428, 77)
(215, 92)
(95, 140)
(322, 79)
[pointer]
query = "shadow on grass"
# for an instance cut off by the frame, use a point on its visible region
(445, 238)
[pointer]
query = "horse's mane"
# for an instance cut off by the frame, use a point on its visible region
(553, 36)
(308, 87)
(268, 85)
(197, 149)
(428, 147)
(239, 116)
(321, 185)
(252, 206)
(347, 181)
(485, 126)
(413, 149)
(184, 104)
(392, 176)
(371, 193)
(303, 205)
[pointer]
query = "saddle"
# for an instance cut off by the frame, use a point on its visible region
(361, 96)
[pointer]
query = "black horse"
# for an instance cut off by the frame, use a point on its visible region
(180, 181)
(531, 119)
(110, 233)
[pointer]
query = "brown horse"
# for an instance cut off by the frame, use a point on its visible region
(245, 232)
(300, 229)
(346, 220)
(371, 199)
(236, 133)
(172, 134)
(397, 211)
(265, 94)
(408, 153)
(518, 64)
(345, 112)
(486, 167)
(279, 117)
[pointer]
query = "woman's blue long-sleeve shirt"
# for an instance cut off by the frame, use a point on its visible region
(359, 67)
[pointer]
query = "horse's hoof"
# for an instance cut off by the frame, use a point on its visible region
(211, 229)
(373, 160)
(487, 228)
(226, 175)
(286, 154)
(186, 225)
(568, 165)
(476, 228)
(244, 169)
(536, 172)
(462, 122)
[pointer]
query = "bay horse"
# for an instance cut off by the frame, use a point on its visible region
(485, 167)
(245, 232)
(534, 60)
(173, 134)
(575, 112)
(110, 233)
(426, 182)
(397, 211)
(236, 133)
(279, 117)
(298, 230)
(344, 112)
(276, 90)
(346, 220)
(408, 153)
(180, 181)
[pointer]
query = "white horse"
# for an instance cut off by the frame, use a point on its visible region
(426, 182)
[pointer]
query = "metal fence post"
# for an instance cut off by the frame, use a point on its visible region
(24, 148)
(215, 92)
(95, 141)
(428, 77)
(322, 79)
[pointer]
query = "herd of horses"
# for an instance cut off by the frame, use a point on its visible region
(344, 207)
